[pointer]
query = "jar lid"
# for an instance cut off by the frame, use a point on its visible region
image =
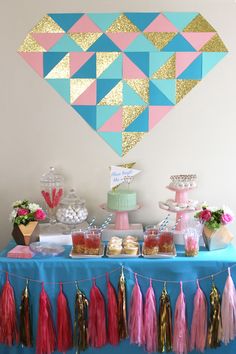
(72, 198)
(51, 177)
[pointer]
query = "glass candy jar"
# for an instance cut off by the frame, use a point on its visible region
(71, 211)
(52, 185)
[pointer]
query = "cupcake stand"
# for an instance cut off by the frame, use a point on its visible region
(121, 226)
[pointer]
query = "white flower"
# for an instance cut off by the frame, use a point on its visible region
(13, 215)
(33, 207)
(17, 203)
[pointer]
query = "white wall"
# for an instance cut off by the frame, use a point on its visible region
(38, 129)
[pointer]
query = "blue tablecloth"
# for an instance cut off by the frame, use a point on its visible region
(63, 268)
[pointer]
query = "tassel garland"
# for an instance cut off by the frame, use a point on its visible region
(136, 315)
(8, 325)
(97, 318)
(199, 321)
(165, 323)
(180, 339)
(122, 310)
(64, 331)
(214, 328)
(228, 310)
(81, 322)
(25, 319)
(150, 321)
(46, 336)
(112, 314)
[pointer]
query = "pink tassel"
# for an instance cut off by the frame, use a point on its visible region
(228, 310)
(112, 314)
(45, 342)
(199, 321)
(136, 315)
(97, 318)
(150, 320)
(64, 330)
(8, 318)
(180, 340)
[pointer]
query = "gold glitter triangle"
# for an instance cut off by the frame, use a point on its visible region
(129, 140)
(104, 60)
(114, 97)
(47, 25)
(183, 87)
(77, 87)
(85, 39)
(141, 87)
(61, 70)
(30, 45)
(130, 113)
(167, 70)
(215, 44)
(128, 165)
(122, 24)
(160, 39)
(199, 24)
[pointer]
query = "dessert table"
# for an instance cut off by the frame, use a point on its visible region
(63, 268)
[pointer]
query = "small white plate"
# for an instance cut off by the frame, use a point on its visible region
(76, 255)
(123, 255)
(160, 255)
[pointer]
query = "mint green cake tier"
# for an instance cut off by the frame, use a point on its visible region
(121, 200)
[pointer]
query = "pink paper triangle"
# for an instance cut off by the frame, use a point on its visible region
(77, 60)
(122, 40)
(88, 97)
(161, 24)
(84, 24)
(130, 70)
(114, 124)
(47, 40)
(198, 39)
(183, 60)
(156, 113)
(35, 60)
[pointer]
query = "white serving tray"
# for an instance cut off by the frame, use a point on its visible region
(160, 255)
(123, 255)
(76, 255)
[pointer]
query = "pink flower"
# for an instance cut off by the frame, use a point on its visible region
(205, 215)
(22, 212)
(40, 214)
(226, 218)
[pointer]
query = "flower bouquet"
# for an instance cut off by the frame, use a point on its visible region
(215, 221)
(25, 217)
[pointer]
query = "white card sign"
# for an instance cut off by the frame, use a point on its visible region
(121, 174)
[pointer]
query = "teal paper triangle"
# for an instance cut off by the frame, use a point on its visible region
(130, 97)
(193, 71)
(179, 44)
(66, 21)
(157, 97)
(66, 44)
(88, 70)
(103, 21)
(51, 59)
(114, 71)
(140, 124)
(103, 44)
(167, 87)
(104, 113)
(156, 60)
(180, 19)
(209, 60)
(88, 113)
(141, 60)
(104, 86)
(114, 140)
(141, 42)
(62, 86)
(141, 19)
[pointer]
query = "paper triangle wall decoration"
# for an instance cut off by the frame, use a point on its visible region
(123, 72)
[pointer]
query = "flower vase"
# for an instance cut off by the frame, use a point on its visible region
(26, 234)
(216, 239)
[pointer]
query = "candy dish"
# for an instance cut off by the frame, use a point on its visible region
(46, 248)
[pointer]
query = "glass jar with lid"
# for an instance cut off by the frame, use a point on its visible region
(52, 188)
(71, 211)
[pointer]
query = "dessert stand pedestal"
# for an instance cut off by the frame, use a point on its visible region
(121, 227)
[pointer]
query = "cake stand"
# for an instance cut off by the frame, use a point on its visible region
(182, 216)
(122, 227)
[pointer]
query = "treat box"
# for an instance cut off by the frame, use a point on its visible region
(160, 255)
(77, 255)
(54, 233)
(134, 230)
(123, 255)
(20, 252)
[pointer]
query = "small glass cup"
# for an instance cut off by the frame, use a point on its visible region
(166, 241)
(151, 243)
(191, 242)
(78, 241)
(93, 238)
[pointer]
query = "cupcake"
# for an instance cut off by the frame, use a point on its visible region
(114, 249)
(131, 248)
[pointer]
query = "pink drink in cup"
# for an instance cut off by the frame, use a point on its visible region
(78, 241)
(93, 241)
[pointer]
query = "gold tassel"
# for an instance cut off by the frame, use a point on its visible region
(25, 319)
(165, 323)
(81, 322)
(122, 312)
(215, 326)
